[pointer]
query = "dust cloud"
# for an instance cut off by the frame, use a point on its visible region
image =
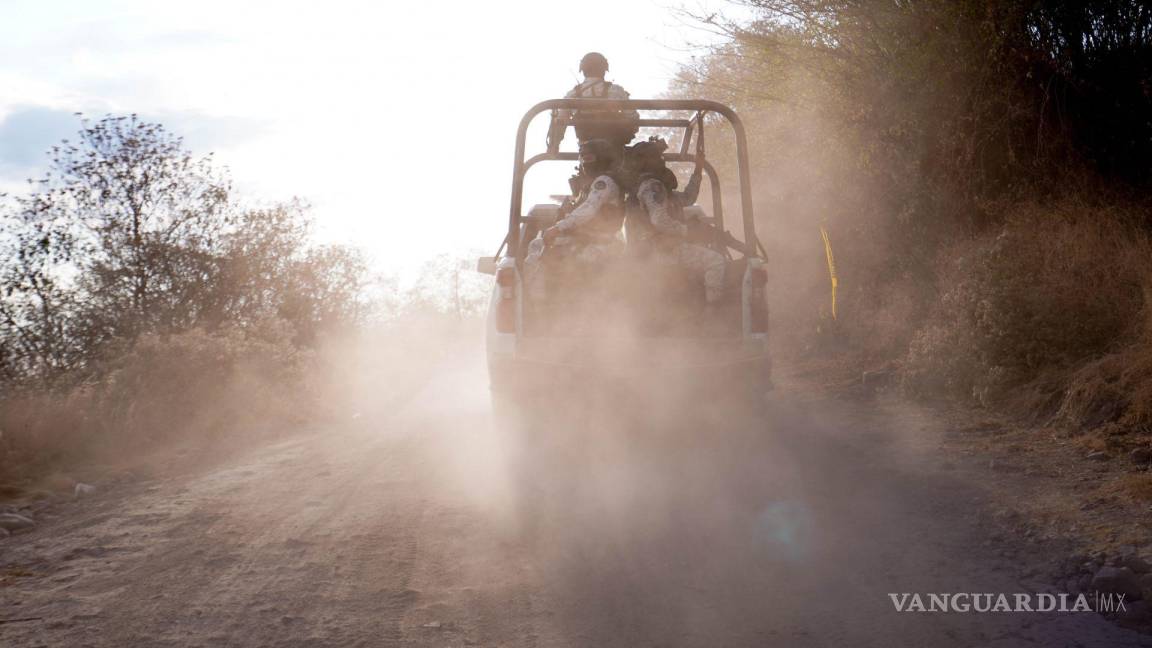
(657, 516)
(655, 512)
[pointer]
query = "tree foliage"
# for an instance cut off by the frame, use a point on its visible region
(906, 127)
(130, 234)
(979, 98)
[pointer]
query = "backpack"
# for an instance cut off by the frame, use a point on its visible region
(612, 126)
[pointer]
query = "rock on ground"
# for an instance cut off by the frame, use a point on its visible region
(1117, 580)
(15, 522)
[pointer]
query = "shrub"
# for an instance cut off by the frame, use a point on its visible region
(1054, 287)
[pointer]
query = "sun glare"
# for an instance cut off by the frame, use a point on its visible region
(395, 123)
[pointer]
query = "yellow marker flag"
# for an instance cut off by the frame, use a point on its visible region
(831, 266)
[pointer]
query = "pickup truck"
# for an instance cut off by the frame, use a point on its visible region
(630, 324)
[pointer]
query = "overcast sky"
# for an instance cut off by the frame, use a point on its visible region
(396, 124)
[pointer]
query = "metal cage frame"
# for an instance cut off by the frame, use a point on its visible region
(521, 165)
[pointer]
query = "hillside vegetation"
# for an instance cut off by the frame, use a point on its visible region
(145, 304)
(983, 170)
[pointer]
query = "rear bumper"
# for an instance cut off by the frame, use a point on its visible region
(511, 373)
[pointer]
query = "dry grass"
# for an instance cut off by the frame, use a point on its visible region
(1133, 486)
(1116, 388)
(1046, 315)
(196, 385)
(211, 392)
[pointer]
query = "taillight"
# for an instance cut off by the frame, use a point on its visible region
(757, 300)
(506, 304)
(506, 277)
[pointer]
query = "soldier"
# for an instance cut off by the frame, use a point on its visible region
(587, 231)
(617, 128)
(656, 224)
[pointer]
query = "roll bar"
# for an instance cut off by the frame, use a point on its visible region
(521, 166)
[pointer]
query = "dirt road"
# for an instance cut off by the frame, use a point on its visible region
(427, 527)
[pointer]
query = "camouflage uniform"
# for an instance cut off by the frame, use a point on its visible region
(587, 235)
(667, 239)
(616, 127)
(597, 88)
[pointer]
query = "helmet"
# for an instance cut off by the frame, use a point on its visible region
(652, 149)
(647, 157)
(593, 64)
(598, 153)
